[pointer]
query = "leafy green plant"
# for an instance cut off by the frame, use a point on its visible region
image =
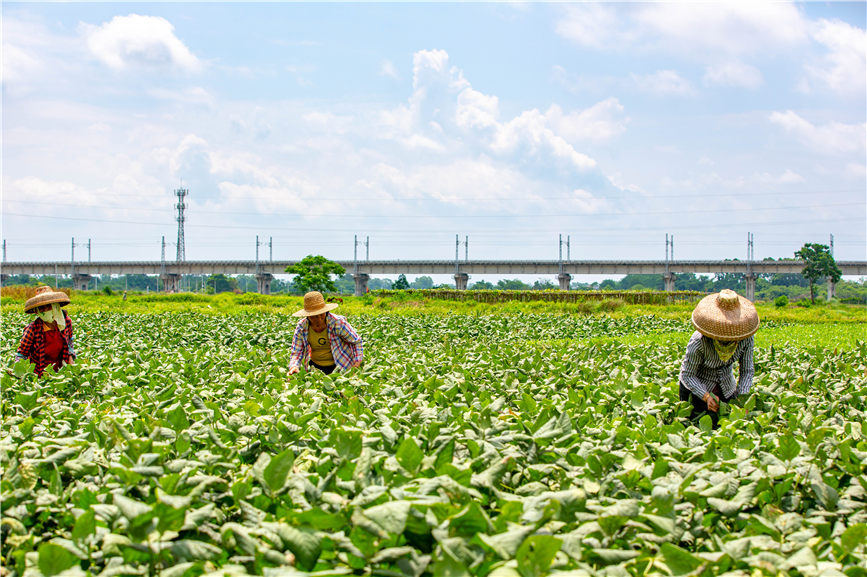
(483, 445)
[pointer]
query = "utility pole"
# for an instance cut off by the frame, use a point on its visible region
(88, 250)
(568, 257)
(457, 248)
(832, 248)
(72, 258)
(162, 263)
(270, 249)
(560, 258)
(4, 250)
(181, 193)
(751, 253)
(367, 248)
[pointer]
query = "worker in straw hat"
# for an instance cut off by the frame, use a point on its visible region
(725, 324)
(48, 339)
(325, 340)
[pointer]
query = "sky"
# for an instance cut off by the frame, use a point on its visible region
(612, 124)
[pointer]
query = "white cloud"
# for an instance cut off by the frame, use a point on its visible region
(843, 68)
(593, 25)
(137, 40)
(664, 83)
(831, 138)
(476, 110)
(787, 177)
(726, 27)
(734, 74)
(192, 95)
(601, 122)
(387, 68)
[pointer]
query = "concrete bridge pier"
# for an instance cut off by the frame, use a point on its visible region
(832, 289)
(4, 278)
(263, 283)
(750, 286)
(171, 282)
(361, 283)
(668, 279)
(80, 281)
(461, 280)
(565, 279)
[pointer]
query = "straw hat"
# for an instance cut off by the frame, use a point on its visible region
(45, 296)
(314, 304)
(725, 316)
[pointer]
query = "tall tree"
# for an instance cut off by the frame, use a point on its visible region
(818, 265)
(313, 273)
(401, 284)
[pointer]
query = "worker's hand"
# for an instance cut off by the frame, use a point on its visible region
(712, 401)
(294, 369)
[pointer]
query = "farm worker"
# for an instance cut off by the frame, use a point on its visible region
(325, 340)
(48, 339)
(725, 324)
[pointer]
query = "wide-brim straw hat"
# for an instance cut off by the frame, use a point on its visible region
(725, 316)
(45, 296)
(314, 304)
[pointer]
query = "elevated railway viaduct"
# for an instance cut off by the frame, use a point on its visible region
(171, 272)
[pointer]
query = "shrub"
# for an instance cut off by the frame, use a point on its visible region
(781, 301)
(107, 290)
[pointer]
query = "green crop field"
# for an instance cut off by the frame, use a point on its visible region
(469, 444)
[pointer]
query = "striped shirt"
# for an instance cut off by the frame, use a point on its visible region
(702, 368)
(32, 345)
(346, 344)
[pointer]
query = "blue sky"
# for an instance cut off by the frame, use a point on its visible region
(410, 123)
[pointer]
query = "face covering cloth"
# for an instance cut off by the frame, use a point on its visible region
(54, 314)
(725, 350)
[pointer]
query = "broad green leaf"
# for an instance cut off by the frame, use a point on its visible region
(853, 537)
(304, 544)
(409, 455)
(678, 561)
(54, 559)
(470, 521)
(277, 470)
(177, 417)
(789, 448)
(85, 525)
(391, 516)
(535, 555)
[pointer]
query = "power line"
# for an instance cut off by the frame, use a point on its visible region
(629, 193)
(727, 225)
(462, 216)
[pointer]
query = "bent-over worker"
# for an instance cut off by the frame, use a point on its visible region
(725, 324)
(48, 339)
(324, 340)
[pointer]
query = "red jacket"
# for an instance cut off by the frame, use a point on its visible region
(32, 344)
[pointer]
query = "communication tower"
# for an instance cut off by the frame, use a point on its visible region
(181, 193)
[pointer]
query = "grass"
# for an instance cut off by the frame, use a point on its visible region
(227, 303)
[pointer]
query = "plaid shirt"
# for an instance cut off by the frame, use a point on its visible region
(702, 368)
(346, 345)
(32, 346)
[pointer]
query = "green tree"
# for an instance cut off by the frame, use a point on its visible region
(422, 282)
(401, 284)
(313, 273)
(818, 265)
(512, 285)
(482, 285)
(220, 283)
